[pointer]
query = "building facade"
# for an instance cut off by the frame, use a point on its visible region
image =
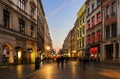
(93, 28)
(48, 46)
(111, 35)
(40, 30)
(18, 31)
(80, 25)
(65, 46)
(73, 42)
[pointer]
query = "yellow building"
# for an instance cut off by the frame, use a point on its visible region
(80, 25)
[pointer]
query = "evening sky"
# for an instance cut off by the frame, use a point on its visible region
(61, 16)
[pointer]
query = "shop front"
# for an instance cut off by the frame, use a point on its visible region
(94, 52)
(7, 54)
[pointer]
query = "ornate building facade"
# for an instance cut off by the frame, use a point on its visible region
(111, 35)
(80, 25)
(93, 28)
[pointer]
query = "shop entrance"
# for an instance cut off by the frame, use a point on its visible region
(7, 55)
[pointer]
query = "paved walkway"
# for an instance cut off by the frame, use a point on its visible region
(73, 70)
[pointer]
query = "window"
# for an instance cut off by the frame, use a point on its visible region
(80, 43)
(113, 8)
(80, 33)
(93, 37)
(83, 42)
(114, 30)
(88, 11)
(93, 20)
(98, 17)
(93, 6)
(22, 25)
(22, 4)
(98, 36)
(32, 12)
(6, 18)
(32, 31)
(88, 39)
(107, 32)
(83, 19)
(107, 11)
(98, 2)
(83, 29)
(88, 24)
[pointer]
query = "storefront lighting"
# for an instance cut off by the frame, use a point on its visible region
(19, 54)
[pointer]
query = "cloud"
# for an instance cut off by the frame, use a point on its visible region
(59, 8)
(56, 10)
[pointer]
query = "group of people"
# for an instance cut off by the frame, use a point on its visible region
(84, 60)
(61, 60)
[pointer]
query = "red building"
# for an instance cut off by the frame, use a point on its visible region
(93, 30)
(110, 33)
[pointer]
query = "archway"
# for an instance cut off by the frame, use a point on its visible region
(7, 54)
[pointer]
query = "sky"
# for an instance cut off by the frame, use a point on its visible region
(61, 16)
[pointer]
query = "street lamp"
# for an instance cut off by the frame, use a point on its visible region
(48, 49)
(48, 54)
(74, 52)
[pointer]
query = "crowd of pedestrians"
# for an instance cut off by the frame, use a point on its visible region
(61, 60)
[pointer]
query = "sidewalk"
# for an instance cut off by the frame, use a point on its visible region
(73, 70)
(17, 71)
(108, 65)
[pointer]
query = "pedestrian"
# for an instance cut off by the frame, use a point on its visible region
(58, 61)
(62, 61)
(84, 63)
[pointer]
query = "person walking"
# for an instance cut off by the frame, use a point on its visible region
(62, 61)
(85, 60)
(58, 61)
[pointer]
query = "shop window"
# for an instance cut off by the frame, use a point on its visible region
(5, 55)
(6, 18)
